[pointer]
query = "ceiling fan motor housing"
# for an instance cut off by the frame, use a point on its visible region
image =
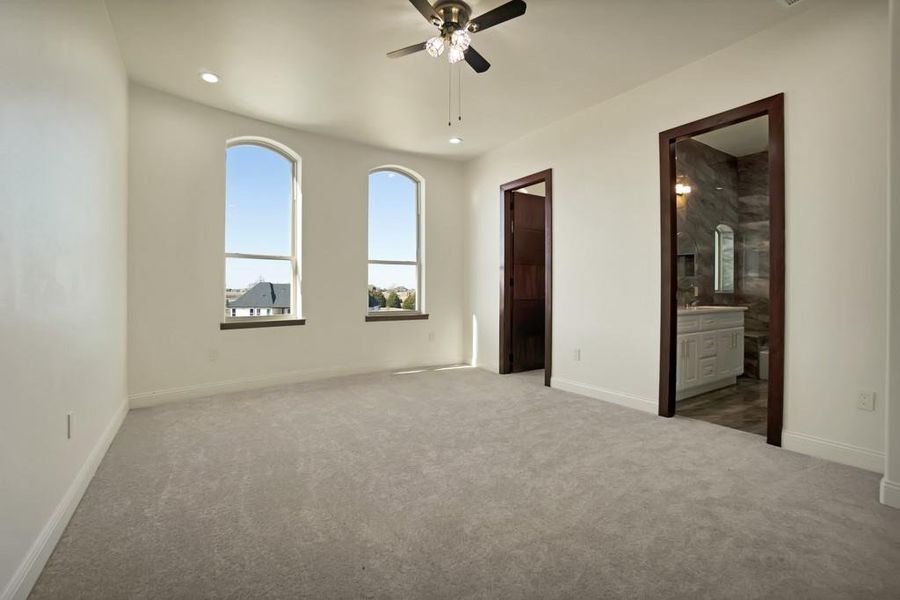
(454, 15)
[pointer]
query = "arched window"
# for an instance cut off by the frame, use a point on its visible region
(395, 254)
(262, 232)
(724, 263)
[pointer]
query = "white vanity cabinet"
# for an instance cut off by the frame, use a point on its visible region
(710, 350)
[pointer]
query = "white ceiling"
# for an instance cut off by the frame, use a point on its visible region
(742, 139)
(538, 189)
(320, 65)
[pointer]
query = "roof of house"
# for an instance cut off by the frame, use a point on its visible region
(264, 295)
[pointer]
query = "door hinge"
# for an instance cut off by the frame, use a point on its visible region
(510, 282)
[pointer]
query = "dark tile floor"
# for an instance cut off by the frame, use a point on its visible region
(741, 406)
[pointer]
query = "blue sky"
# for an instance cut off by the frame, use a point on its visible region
(257, 219)
(392, 228)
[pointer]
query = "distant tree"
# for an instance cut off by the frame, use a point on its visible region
(377, 297)
(409, 303)
(393, 300)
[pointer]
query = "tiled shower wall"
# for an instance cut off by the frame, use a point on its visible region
(752, 244)
(713, 177)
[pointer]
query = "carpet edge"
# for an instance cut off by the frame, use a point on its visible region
(846, 454)
(598, 393)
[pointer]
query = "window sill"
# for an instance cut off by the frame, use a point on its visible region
(397, 317)
(253, 324)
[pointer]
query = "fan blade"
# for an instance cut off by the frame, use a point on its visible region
(408, 50)
(476, 61)
(508, 11)
(424, 7)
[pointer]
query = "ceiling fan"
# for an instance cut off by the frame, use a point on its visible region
(452, 18)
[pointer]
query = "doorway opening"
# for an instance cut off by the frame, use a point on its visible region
(722, 242)
(526, 341)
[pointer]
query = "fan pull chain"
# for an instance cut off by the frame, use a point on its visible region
(449, 95)
(459, 91)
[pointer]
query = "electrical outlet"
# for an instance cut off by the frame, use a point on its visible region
(577, 354)
(213, 355)
(430, 336)
(865, 401)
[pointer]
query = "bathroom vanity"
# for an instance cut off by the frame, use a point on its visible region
(710, 349)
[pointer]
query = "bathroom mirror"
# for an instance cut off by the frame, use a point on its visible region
(724, 263)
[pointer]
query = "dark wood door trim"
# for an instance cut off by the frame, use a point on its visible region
(506, 190)
(773, 107)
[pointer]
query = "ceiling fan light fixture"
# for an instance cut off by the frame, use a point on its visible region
(461, 39)
(434, 46)
(455, 54)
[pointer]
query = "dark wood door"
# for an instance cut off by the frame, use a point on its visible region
(528, 289)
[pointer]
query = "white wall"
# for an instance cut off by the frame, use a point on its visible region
(63, 144)
(176, 245)
(890, 484)
(831, 63)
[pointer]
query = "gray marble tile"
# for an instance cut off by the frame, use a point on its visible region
(753, 242)
(713, 177)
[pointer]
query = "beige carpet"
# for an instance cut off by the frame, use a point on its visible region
(463, 484)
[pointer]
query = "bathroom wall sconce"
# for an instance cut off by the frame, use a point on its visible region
(682, 189)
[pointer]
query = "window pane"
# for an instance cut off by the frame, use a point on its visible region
(724, 259)
(392, 216)
(392, 287)
(258, 187)
(257, 287)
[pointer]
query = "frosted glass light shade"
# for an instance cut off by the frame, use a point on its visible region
(455, 54)
(435, 46)
(461, 39)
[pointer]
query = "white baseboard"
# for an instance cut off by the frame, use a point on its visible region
(242, 384)
(890, 493)
(839, 452)
(591, 391)
(31, 566)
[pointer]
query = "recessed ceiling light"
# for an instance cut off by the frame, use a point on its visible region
(455, 140)
(209, 77)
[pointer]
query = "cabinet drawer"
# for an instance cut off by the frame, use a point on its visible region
(708, 369)
(707, 345)
(721, 321)
(688, 324)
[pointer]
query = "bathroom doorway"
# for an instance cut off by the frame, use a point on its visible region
(525, 300)
(722, 242)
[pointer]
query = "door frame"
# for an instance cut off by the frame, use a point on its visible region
(506, 191)
(773, 107)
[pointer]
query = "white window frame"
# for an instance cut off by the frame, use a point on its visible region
(719, 247)
(293, 258)
(420, 292)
